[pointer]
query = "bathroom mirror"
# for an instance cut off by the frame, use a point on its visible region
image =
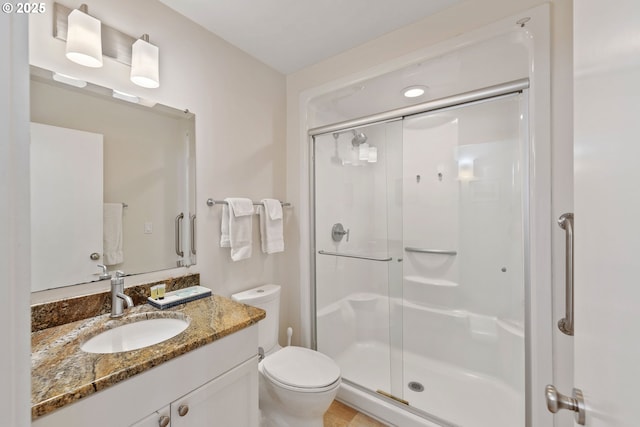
(112, 182)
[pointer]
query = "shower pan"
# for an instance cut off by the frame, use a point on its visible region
(424, 305)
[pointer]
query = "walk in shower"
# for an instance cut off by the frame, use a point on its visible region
(419, 272)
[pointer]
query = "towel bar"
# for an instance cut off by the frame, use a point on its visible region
(211, 202)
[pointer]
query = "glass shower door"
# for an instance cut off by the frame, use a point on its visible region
(464, 175)
(357, 198)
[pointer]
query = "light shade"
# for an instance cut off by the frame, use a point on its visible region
(84, 39)
(144, 64)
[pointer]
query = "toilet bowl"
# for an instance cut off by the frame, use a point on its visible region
(297, 385)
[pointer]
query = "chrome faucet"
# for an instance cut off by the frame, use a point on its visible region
(117, 295)
(105, 274)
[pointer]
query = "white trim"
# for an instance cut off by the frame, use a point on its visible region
(15, 398)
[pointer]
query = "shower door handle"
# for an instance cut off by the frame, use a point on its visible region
(355, 256)
(178, 234)
(566, 223)
(557, 401)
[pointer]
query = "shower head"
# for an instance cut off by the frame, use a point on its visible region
(358, 138)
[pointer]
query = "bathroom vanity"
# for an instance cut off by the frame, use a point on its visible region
(206, 373)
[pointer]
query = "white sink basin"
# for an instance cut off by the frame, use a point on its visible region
(132, 336)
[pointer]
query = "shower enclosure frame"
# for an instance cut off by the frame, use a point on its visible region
(546, 364)
(495, 91)
(520, 86)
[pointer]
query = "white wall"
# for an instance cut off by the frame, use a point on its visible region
(389, 52)
(240, 124)
(14, 222)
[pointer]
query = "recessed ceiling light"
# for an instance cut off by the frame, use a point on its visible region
(414, 91)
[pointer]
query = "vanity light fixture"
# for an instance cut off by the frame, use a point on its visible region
(414, 91)
(84, 38)
(88, 40)
(144, 63)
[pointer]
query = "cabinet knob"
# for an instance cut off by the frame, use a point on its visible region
(164, 421)
(183, 410)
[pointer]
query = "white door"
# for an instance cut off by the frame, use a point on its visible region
(66, 205)
(607, 210)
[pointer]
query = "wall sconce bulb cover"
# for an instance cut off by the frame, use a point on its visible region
(145, 64)
(84, 39)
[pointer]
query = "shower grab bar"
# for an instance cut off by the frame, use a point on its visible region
(354, 256)
(430, 251)
(566, 223)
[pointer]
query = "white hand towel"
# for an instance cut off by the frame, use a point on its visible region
(236, 227)
(112, 234)
(271, 230)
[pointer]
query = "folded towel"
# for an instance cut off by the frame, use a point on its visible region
(112, 234)
(271, 226)
(236, 227)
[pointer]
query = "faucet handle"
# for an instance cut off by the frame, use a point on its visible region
(105, 274)
(117, 278)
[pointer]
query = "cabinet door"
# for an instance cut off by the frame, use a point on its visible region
(230, 400)
(160, 418)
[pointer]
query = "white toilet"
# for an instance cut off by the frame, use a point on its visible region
(297, 385)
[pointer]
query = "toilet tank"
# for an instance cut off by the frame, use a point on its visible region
(266, 297)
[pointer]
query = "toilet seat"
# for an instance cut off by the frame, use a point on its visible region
(301, 369)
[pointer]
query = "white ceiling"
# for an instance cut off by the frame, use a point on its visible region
(289, 35)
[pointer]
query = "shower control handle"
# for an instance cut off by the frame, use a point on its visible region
(338, 232)
(557, 401)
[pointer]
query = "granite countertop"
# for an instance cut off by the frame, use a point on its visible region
(61, 373)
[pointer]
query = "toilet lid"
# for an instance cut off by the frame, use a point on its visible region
(301, 367)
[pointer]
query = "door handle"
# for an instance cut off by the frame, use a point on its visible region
(178, 233)
(557, 401)
(566, 324)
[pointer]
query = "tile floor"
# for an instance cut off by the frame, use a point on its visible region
(341, 415)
